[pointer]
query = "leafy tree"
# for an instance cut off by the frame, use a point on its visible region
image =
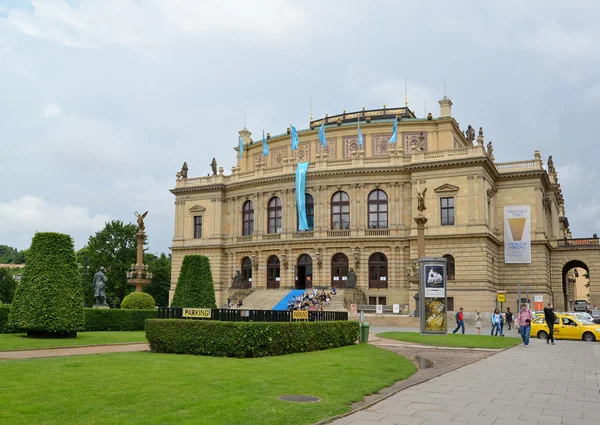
(10, 255)
(49, 298)
(8, 285)
(195, 286)
(160, 267)
(114, 248)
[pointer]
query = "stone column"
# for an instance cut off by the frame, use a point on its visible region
(471, 198)
(482, 199)
(259, 214)
(421, 220)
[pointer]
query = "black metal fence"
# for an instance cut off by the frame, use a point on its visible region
(241, 315)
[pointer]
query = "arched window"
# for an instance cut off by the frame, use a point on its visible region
(309, 202)
(247, 272)
(378, 210)
(273, 272)
(275, 215)
(340, 211)
(339, 270)
(449, 267)
(248, 218)
(378, 271)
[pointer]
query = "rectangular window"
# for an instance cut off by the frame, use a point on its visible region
(197, 227)
(382, 300)
(447, 211)
(450, 306)
(372, 300)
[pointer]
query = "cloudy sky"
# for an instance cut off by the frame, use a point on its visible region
(101, 101)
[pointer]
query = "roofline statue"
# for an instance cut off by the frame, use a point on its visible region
(140, 220)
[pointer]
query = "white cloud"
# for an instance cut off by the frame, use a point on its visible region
(29, 214)
(569, 175)
(51, 110)
(555, 43)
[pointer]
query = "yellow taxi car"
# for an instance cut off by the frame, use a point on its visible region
(566, 327)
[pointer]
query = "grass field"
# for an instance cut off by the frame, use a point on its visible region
(10, 342)
(150, 388)
(459, 340)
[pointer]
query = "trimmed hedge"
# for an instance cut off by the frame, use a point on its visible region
(4, 310)
(247, 339)
(195, 288)
(138, 301)
(115, 319)
(49, 298)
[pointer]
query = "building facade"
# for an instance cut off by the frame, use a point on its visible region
(361, 202)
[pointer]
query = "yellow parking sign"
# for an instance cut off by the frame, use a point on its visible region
(501, 297)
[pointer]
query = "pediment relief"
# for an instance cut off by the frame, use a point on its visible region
(197, 209)
(446, 188)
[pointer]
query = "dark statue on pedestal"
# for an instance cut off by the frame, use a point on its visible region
(213, 166)
(100, 281)
(237, 282)
(351, 279)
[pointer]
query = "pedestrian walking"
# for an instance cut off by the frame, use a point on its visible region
(502, 324)
(495, 322)
(477, 322)
(460, 322)
(550, 318)
(524, 322)
(509, 318)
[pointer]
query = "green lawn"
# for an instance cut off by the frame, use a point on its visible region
(149, 388)
(459, 340)
(10, 342)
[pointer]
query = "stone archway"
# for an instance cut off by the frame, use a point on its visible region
(568, 281)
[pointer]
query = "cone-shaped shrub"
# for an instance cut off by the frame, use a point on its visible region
(195, 288)
(138, 301)
(49, 299)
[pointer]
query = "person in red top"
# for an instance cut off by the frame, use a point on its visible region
(524, 322)
(460, 323)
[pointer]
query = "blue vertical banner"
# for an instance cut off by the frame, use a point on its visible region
(322, 137)
(394, 137)
(295, 139)
(301, 195)
(265, 146)
(360, 139)
(241, 148)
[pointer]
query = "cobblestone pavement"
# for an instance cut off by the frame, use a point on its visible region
(73, 351)
(539, 385)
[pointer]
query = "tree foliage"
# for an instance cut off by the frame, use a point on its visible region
(160, 267)
(138, 301)
(10, 255)
(49, 298)
(8, 285)
(195, 286)
(114, 248)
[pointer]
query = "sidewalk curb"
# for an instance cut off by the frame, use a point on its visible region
(394, 392)
(72, 346)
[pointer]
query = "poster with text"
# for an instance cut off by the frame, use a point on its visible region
(435, 285)
(517, 238)
(435, 315)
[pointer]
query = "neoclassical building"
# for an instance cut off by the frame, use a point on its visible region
(361, 205)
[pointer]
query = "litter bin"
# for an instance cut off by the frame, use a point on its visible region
(364, 332)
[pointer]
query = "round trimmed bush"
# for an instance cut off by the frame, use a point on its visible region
(195, 288)
(48, 301)
(138, 301)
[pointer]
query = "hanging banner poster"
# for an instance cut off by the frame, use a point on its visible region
(517, 235)
(433, 303)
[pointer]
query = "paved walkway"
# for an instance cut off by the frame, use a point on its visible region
(73, 351)
(539, 385)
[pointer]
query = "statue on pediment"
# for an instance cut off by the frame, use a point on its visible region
(490, 149)
(183, 174)
(470, 134)
(213, 166)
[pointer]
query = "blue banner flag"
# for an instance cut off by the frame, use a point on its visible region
(295, 139)
(360, 140)
(301, 195)
(394, 137)
(265, 146)
(322, 137)
(241, 148)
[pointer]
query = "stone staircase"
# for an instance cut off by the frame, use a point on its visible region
(266, 299)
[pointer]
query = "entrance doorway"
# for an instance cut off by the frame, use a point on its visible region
(339, 270)
(273, 272)
(304, 273)
(576, 285)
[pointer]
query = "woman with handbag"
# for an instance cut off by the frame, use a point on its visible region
(524, 322)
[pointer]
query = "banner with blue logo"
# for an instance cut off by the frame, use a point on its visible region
(301, 195)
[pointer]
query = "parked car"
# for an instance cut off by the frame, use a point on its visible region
(566, 327)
